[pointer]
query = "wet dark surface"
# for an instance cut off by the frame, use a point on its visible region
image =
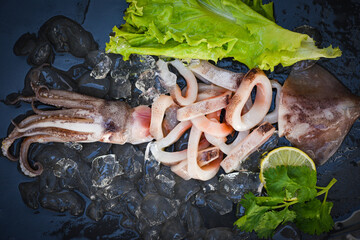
(338, 23)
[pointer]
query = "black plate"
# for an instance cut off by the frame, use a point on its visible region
(337, 21)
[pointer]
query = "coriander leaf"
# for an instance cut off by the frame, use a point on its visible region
(314, 217)
(291, 182)
(249, 221)
(303, 174)
(251, 208)
(289, 216)
(309, 209)
(253, 213)
(271, 220)
(248, 200)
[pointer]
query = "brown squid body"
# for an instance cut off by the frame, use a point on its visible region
(316, 112)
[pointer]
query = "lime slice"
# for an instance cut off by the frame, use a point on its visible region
(288, 156)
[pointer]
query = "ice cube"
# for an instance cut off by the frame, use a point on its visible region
(120, 87)
(65, 168)
(58, 151)
(142, 226)
(119, 185)
(210, 185)
(149, 86)
(74, 145)
(173, 229)
(91, 86)
(146, 185)
(133, 200)
(139, 74)
(219, 203)
(81, 180)
(145, 81)
(156, 209)
(219, 233)
(191, 217)
(151, 168)
(152, 233)
(63, 201)
(120, 75)
(128, 221)
(95, 210)
(235, 185)
(131, 159)
(77, 71)
(104, 169)
(144, 75)
(93, 150)
(198, 234)
(115, 205)
(48, 182)
(185, 189)
(165, 182)
(139, 63)
(200, 199)
(100, 62)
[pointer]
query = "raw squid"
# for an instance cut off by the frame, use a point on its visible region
(316, 112)
(247, 146)
(198, 106)
(209, 73)
(81, 119)
(261, 106)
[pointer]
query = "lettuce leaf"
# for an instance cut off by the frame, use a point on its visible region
(212, 30)
(267, 10)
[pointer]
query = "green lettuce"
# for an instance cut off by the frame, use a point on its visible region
(211, 30)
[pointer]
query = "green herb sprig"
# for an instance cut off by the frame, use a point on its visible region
(291, 197)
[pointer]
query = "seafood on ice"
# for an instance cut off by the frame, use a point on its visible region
(219, 106)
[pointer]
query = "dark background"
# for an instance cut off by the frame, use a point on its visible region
(337, 21)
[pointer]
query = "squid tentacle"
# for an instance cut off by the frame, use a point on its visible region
(49, 131)
(61, 98)
(24, 164)
(72, 112)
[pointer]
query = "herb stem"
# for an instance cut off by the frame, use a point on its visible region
(286, 204)
(326, 189)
